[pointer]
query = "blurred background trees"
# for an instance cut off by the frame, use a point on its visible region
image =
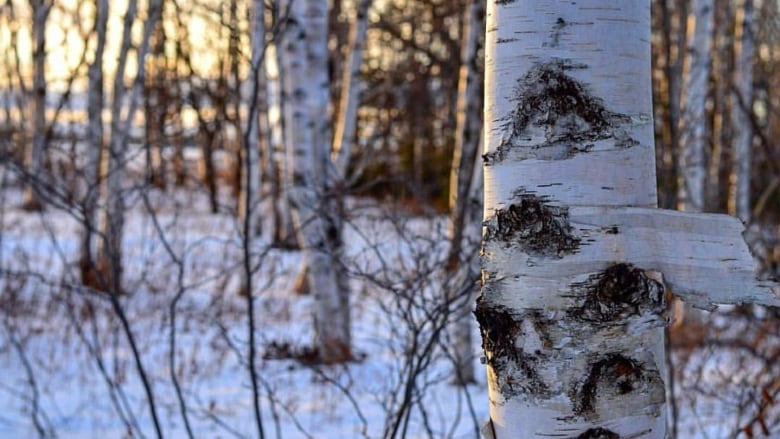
(713, 69)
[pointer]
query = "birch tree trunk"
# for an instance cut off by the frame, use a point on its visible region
(249, 207)
(741, 109)
(250, 191)
(694, 133)
(722, 54)
(95, 102)
(275, 165)
(315, 212)
(674, 24)
(112, 224)
(35, 154)
(576, 259)
(568, 123)
(693, 123)
(467, 141)
(351, 86)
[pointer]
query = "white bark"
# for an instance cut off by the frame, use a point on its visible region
(693, 123)
(351, 87)
(308, 140)
(569, 125)
(742, 108)
(275, 165)
(694, 129)
(464, 161)
(576, 261)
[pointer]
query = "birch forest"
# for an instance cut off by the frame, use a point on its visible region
(390, 219)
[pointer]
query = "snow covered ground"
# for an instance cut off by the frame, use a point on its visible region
(66, 369)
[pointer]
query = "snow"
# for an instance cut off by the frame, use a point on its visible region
(54, 331)
(57, 323)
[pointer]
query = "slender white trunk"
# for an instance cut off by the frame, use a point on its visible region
(275, 165)
(113, 221)
(249, 207)
(351, 87)
(308, 140)
(36, 153)
(721, 68)
(741, 110)
(467, 141)
(694, 129)
(693, 123)
(95, 104)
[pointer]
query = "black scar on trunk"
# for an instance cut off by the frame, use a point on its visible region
(540, 228)
(618, 292)
(571, 118)
(515, 369)
(599, 433)
(611, 377)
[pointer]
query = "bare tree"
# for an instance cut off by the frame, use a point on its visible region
(316, 214)
(351, 87)
(94, 146)
(250, 189)
(464, 160)
(742, 108)
(255, 129)
(112, 224)
(693, 126)
(36, 153)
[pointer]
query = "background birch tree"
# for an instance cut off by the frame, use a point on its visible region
(95, 105)
(310, 174)
(274, 161)
(741, 110)
(463, 211)
(576, 261)
(693, 126)
(37, 150)
(351, 87)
